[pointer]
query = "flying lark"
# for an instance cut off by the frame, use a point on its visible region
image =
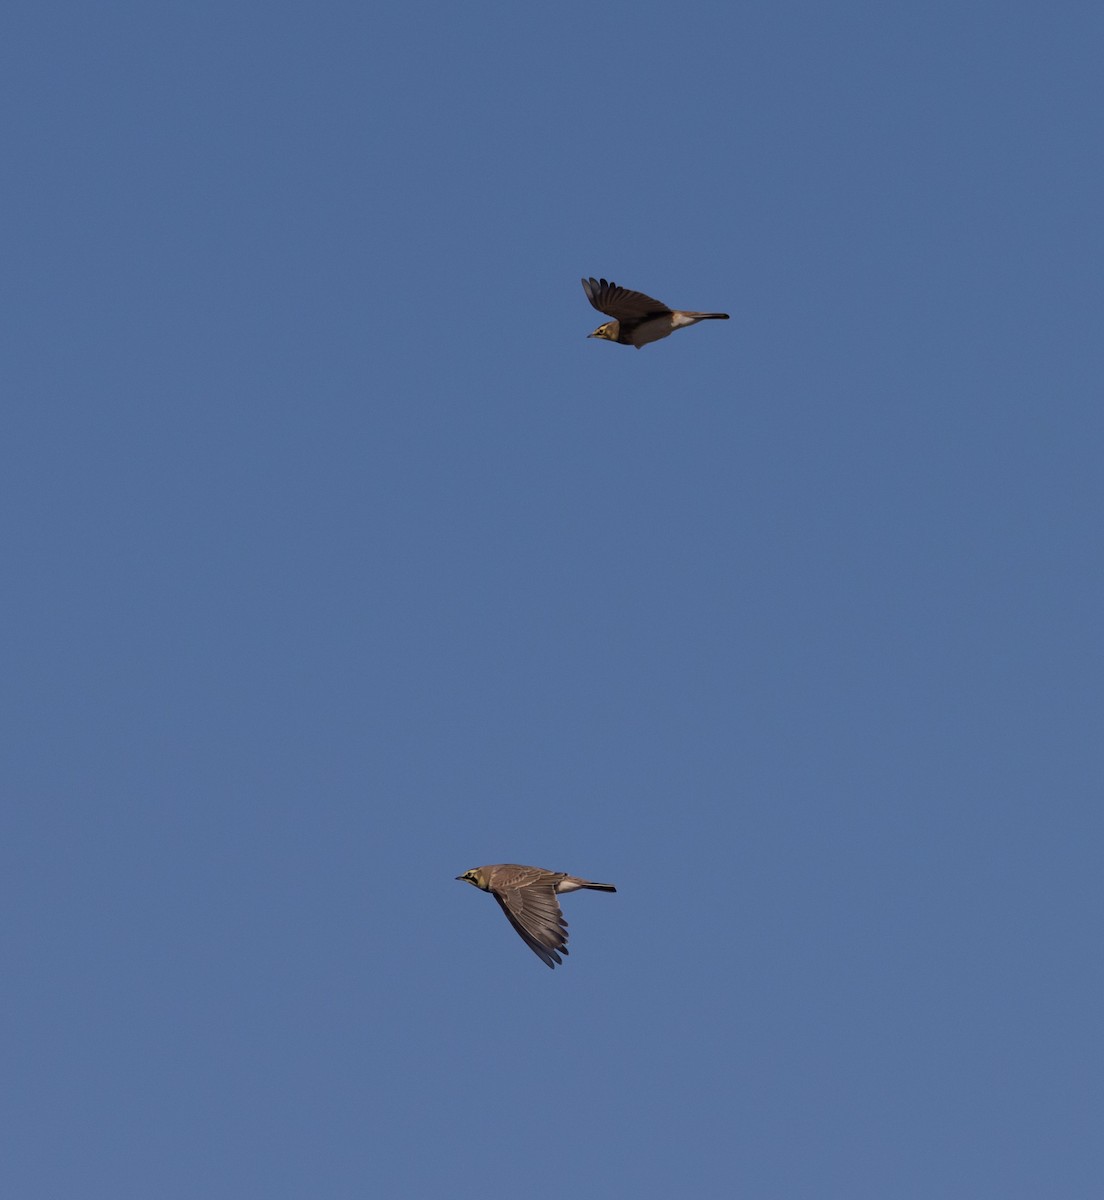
(637, 319)
(527, 895)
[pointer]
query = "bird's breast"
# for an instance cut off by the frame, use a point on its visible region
(652, 330)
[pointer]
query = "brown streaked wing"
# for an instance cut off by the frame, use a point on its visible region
(621, 303)
(535, 914)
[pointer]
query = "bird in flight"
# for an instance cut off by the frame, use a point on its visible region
(637, 319)
(527, 895)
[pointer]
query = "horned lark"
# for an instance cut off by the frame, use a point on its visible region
(637, 319)
(527, 895)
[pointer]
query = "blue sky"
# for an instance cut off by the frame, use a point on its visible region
(338, 561)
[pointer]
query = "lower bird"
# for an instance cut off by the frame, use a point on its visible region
(527, 895)
(637, 319)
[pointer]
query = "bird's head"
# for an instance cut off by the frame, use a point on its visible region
(608, 331)
(475, 877)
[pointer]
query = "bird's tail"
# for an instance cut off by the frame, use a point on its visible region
(709, 316)
(600, 887)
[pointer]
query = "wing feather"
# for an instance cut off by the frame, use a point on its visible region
(622, 304)
(535, 914)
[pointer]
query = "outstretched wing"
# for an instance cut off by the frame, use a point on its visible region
(621, 304)
(535, 914)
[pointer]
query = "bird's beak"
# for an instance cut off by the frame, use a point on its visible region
(459, 878)
(590, 335)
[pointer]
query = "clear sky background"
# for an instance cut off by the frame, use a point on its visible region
(337, 561)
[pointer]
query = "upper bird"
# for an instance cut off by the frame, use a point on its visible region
(637, 319)
(527, 895)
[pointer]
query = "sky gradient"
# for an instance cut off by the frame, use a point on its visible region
(338, 561)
